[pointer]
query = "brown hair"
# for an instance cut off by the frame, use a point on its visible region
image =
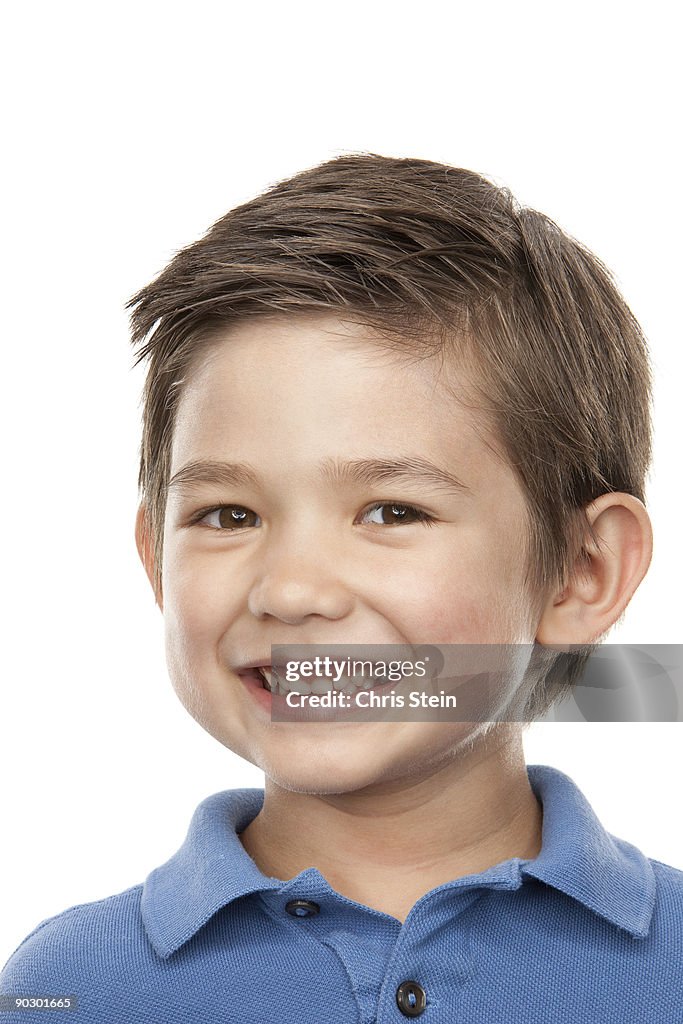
(429, 256)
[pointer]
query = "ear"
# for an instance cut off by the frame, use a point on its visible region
(145, 546)
(605, 579)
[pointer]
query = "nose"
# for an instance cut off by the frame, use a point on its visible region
(295, 585)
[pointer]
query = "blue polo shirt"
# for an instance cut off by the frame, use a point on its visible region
(588, 931)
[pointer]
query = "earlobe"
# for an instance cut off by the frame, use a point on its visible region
(607, 576)
(145, 545)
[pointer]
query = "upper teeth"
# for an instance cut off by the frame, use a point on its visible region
(276, 684)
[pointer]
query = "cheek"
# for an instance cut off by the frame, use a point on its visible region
(196, 611)
(197, 602)
(469, 592)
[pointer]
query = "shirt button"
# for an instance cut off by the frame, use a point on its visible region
(302, 908)
(411, 998)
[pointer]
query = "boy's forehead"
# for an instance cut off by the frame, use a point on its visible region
(326, 386)
(282, 344)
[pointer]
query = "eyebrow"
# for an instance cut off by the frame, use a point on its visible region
(337, 471)
(379, 471)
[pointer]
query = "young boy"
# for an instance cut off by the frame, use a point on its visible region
(385, 406)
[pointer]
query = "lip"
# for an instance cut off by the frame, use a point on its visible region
(256, 663)
(253, 683)
(269, 702)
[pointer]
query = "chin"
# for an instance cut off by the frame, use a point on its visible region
(338, 763)
(323, 776)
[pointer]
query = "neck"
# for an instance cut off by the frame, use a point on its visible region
(386, 845)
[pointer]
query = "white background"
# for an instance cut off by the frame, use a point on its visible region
(127, 131)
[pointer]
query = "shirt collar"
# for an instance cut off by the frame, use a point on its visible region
(210, 870)
(578, 857)
(581, 859)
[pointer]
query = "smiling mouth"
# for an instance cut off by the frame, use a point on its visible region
(279, 686)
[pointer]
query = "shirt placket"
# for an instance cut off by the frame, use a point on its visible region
(395, 970)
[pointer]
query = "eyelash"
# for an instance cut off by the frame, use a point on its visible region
(419, 514)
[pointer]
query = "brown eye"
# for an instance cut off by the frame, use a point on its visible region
(393, 514)
(231, 517)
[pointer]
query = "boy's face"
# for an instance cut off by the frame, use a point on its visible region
(304, 555)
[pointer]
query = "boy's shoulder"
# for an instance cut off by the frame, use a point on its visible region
(75, 923)
(88, 948)
(668, 913)
(669, 878)
(666, 925)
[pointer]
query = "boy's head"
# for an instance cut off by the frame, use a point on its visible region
(485, 340)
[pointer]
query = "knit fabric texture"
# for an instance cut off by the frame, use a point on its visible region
(588, 931)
